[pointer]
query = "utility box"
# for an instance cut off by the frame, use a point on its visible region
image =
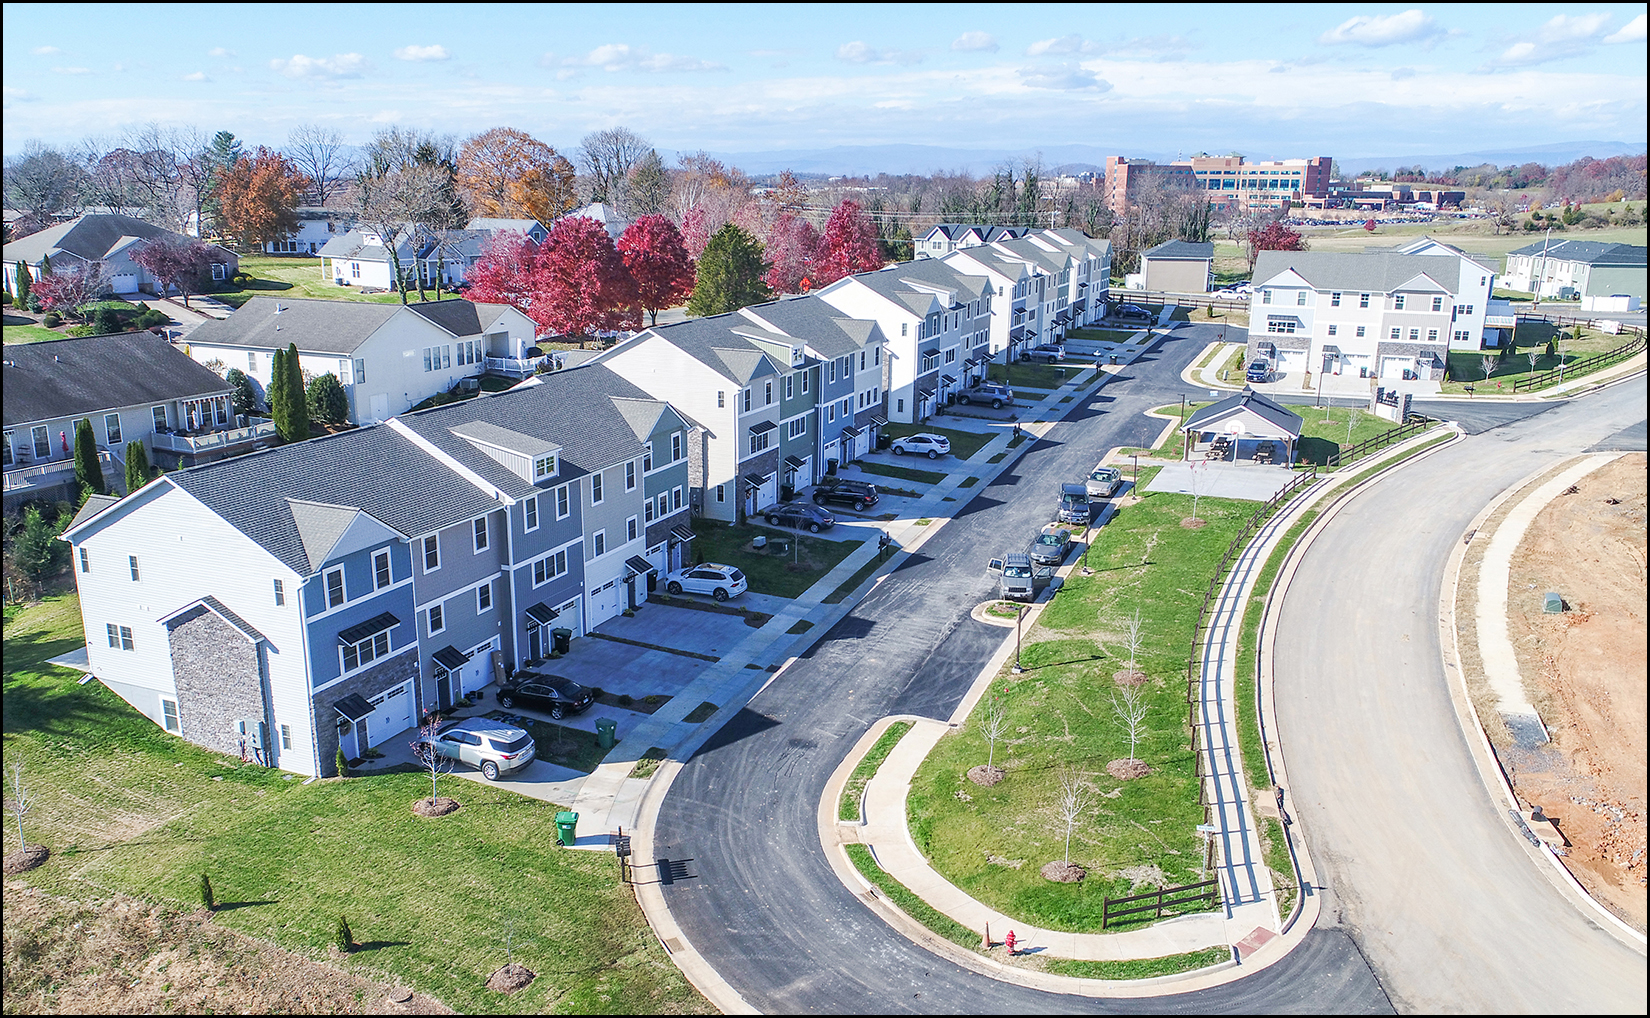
(1553, 604)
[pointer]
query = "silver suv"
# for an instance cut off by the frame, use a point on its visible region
(998, 396)
(493, 747)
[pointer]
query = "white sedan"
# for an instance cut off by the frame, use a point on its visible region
(933, 446)
(719, 581)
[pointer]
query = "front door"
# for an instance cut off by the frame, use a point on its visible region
(380, 406)
(535, 642)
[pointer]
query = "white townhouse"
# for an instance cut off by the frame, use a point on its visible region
(316, 226)
(389, 357)
(1478, 319)
(1382, 315)
(1047, 292)
(1088, 288)
(1588, 267)
(945, 238)
(1011, 286)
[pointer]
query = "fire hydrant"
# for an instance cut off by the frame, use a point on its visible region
(1008, 942)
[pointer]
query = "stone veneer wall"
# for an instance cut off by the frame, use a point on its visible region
(219, 681)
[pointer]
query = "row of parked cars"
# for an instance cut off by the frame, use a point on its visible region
(1022, 574)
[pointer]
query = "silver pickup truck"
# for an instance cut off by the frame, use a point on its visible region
(1020, 579)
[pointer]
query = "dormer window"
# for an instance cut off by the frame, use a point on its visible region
(544, 467)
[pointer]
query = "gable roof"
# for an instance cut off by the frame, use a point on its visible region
(320, 526)
(489, 225)
(289, 498)
(814, 323)
(1593, 252)
(77, 377)
(90, 237)
(714, 343)
(459, 317)
(1252, 401)
(331, 326)
(1180, 251)
(1380, 272)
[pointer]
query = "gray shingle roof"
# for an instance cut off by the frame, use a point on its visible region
(1249, 400)
(1592, 252)
(1050, 261)
(712, 342)
(74, 377)
(1180, 250)
(823, 328)
(90, 237)
(1372, 273)
(316, 326)
(371, 469)
(459, 317)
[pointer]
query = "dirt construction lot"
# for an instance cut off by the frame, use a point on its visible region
(1585, 672)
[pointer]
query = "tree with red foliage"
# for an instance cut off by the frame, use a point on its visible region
(848, 246)
(67, 290)
(658, 261)
(1274, 237)
(695, 231)
(792, 246)
(258, 197)
(504, 274)
(178, 263)
(574, 284)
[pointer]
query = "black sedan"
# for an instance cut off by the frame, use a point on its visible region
(800, 515)
(553, 694)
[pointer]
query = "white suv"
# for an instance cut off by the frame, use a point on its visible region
(933, 446)
(719, 581)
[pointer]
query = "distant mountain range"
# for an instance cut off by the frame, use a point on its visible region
(869, 160)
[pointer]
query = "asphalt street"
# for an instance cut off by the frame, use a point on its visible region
(1418, 862)
(750, 885)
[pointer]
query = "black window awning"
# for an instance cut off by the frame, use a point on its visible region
(640, 566)
(762, 427)
(879, 421)
(795, 462)
(353, 707)
(948, 380)
(931, 352)
(450, 658)
(542, 613)
(682, 534)
(370, 628)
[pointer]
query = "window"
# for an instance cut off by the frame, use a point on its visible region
(1283, 325)
(432, 554)
(359, 655)
(549, 567)
(790, 386)
(598, 544)
(159, 414)
(563, 503)
(252, 361)
(901, 408)
(647, 510)
(721, 493)
(381, 577)
(630, 476)
(437, 357)
(647, 457)
(630, 529)
(759, 442)
(1398, 302)
(676, 439)
(120, 637)
(745, 400)
(721, 399)
(42, 442)
(544, 466)
(1363, 300)
(1437, 303)
(484, 598)
(1334, 300)
(531, 510)
(169, 708)
(797, 428)
(830, 413)
(1332, 330)
(1432, 335)
(675, 498)
(664, 504)
(437, 619)
(480, 528)
(1414, 335)
(85, 563)
(1397, 333)
(335, 587)
(805, 381)
(111, 427)
(355, 270)
(768, 390)
(903, 327)
(134, 563)
(360, 372)
(1300, 298)
(596, 489)
(876, 358)
(1266, 296)
(280, 593)
(286, 736)
(1361, 332)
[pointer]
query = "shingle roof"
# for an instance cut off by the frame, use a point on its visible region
(503, 225)
(712, 342)
(1249, 400)
(459, 317)
(371, 469)
(73, 377)
(1592, 252)
(1374, 273)
(823, 328)
(91, 237)
(1180, 250)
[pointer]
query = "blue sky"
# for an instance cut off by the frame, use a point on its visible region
(1279, 80)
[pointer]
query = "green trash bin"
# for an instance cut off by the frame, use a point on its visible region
(561, 640)
(567, 825)
(606, 733)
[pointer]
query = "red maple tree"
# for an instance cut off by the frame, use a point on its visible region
(575, 284)
(848, 246)
(178, 263)
(792, 246)
(658, 262)
(1273, 237)
(695, 231)
(67, 290)
(504, 274)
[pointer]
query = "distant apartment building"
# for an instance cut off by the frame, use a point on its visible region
(1228, 180)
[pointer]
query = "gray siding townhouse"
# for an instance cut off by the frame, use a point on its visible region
(1588, 267)
(132, 387)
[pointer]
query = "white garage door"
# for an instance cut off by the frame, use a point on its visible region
(392, 713)
(1394, 367)
(1291, 361)
(125, 282)
(604, 603)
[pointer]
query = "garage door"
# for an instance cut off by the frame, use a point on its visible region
(1291, 361)
(604, 603)
(478, 671)
(392, 713)
(125, 282)
(1394, 367)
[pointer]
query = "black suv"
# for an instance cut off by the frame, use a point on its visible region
(551, 693)
(845, 492)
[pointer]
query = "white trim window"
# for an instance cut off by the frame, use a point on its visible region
(596, 495)
(432, 554)
(335, 587)
(675, 498)
(544, 467)
(630, 476)
(280, 593)
(630, 529)
(598, 544)
(85, 561)
(484, 597)
(676, 437)
(133, 560)
(120, 637)
(169, 715)
(436, 619)
(549, 567)
(356, 656)
(479, 535)
(563, 503)
(111, 428)
(381, 575)
(530, 513)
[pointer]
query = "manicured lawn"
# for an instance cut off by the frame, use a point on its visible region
(903, 473)
(1035, 376)
(1103, 335)
(963, 443)
(848, 807)
(273, 275)
(126, 807)
(769, 570)
(31, 333)
(1174, 447)
(991, 841)
(1325, 431)
(1530, 336)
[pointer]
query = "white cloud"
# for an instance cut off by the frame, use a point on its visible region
(418, 53)
(1633, 31)
(1067, 77)
(1152, 47)
(858, 52)
(618, 56)
(197, 76)
(219, 51)
(1382, 29)
(340, 65)
(71, 70)
(975, 42)
(45, 51)
(1064, 44)
(1560, 37)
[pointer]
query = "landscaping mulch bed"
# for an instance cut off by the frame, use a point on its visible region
(1193, 523)
(27, 859)
(1062, 872)
(1128, 678)
(987, 776)
(1125, 770)
(510, 978)
(438, 807)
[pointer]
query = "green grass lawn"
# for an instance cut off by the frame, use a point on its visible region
(1034, 376)
(1530, 336)
(1103, 335)
(848, 806)
(963, 443)
(1475, 236)
(1175, 446)
(1325, 431)
(127, 808)
(31, 333)
(991, 841)
(770, 569)
(290, 276)
(903, 473)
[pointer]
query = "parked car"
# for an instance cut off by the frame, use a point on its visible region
(800, 515)
(1074, 504)
(493, 747)
(1259, 371)
(1104, 482)
(1050, 546)
(933, 446)
(713, 578)
(1132, 313)
(1019, 578)
(842, 491)
(998, 396)
(552, 693)
(1048, 353)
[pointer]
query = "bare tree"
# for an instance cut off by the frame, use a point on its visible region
(993, 725)
(1130, 705)
(1198, 470)
(1351, 422)
(1133, 638)
(43, 182)
(19, 803)
(606, 158)
(320, 154)
(394, 205)
(428, 757)
(1075, 797)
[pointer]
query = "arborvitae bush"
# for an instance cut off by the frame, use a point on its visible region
(346, 941)
(343, 763)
